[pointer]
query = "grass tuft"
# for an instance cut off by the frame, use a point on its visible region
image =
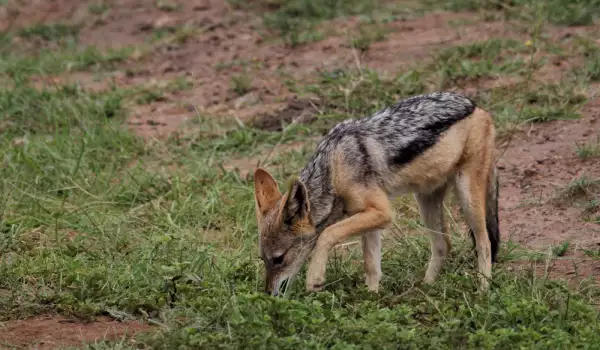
(50, 32)
(296, 20)
(581, 187)
(589, 149)
(560, 12)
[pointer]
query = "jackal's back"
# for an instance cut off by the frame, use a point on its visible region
(403, 130)
(409, 127)
(389, 139)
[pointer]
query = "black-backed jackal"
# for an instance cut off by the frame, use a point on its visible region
(421, 145)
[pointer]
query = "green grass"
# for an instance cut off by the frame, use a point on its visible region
(360, 93)
(367, 35)
(148, 96)
(559, 12)
(94, 221)
(296, 20)
(50, 62)
(87, 231)
(241, 84)
(592, 67)
(98, 8)
(487, 59)
(517, 105)
(581, 186)
(167, 5)
(560, 249)
(50, 31)
(589, 149)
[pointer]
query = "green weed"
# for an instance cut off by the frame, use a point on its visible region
(460, 64)
(357, 94)
(98, 8)
(241, 84)
(589, 149)
(50, 31)
(560, 249)
(561, 12)
(49, 62)
(295, 20)
(162, 32)
(176, 35)
(367, 35)
(148, 96)
(592, 68)
(447, 316)
(167, 5)
(518, 104)
(582, 186)
(179, 84)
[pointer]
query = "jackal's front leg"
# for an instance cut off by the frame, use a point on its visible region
(371, 248)
(374, 214)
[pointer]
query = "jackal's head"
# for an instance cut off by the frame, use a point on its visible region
(286, 232)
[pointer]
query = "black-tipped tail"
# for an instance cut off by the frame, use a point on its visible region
(491, 214)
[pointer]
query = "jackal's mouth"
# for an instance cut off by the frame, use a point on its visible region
(281, 287)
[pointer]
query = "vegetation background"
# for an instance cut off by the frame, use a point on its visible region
(130, 129)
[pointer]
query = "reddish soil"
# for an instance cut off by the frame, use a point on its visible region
(227, 43)
(534, 168)
(51, 332)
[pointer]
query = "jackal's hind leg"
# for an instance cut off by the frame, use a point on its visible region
(472, 194)
(431, 207)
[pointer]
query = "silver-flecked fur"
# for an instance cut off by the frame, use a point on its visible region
(378, 145)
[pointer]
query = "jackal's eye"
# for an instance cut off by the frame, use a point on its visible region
(278, 260)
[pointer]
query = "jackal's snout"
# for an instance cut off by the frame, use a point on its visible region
(274, 284)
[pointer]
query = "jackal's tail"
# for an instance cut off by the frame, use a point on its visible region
(491, 213)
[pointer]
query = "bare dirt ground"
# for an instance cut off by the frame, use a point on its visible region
(50, 332)
(535, 166)
(226, 41)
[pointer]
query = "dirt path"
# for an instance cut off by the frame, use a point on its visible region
(51, 332)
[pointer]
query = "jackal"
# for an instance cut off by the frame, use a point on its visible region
(422, 145)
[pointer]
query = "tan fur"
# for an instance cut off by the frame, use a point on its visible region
(463, 157)
(266, 192)
(370, 210)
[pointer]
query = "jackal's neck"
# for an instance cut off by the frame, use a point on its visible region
(325, 209)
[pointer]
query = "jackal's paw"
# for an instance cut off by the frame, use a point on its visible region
(315, 284)
(373, 288)
(314, 288)
(431, 276)
(484, 285)
(372, 283)
(429, 280)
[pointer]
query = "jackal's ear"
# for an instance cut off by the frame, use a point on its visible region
(266, 191)
(296, 205)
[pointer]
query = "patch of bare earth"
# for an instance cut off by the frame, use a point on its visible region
(234, 48)
(538, 164)
(53, 332)
(221, 43)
